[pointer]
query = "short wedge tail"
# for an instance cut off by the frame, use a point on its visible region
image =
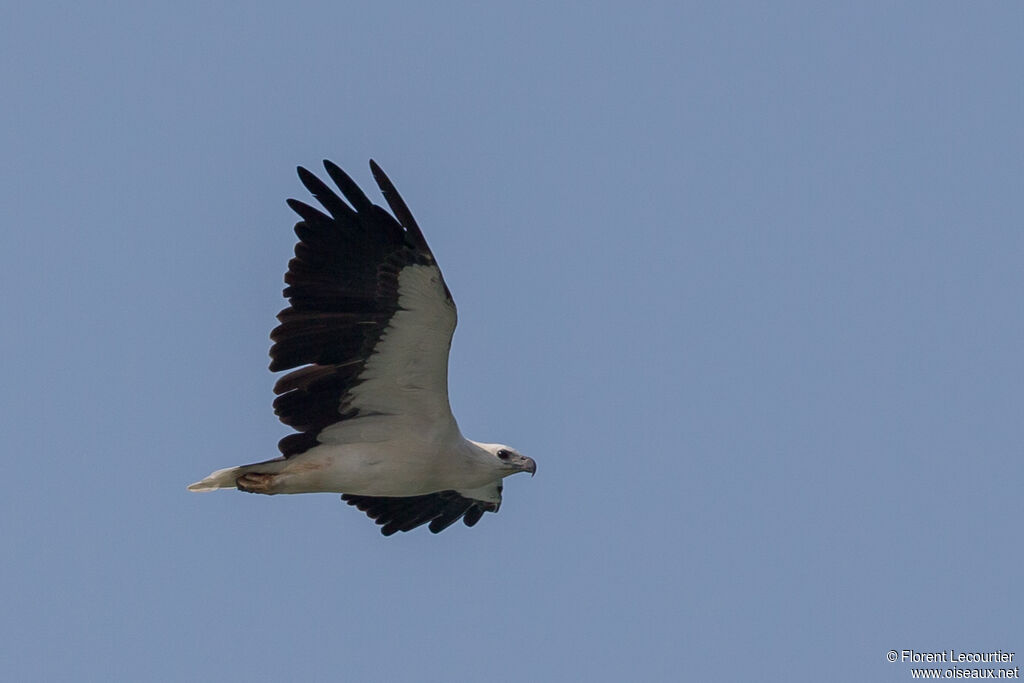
(221, 479)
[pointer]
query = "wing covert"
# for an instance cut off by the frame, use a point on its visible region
(369, 315)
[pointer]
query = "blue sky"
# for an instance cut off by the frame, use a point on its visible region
(745, 280)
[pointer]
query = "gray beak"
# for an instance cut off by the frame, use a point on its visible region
(529, 466)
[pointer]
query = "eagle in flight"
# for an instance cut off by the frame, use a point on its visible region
(366, 336)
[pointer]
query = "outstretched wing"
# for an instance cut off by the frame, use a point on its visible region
(370, 319)
(440, 510)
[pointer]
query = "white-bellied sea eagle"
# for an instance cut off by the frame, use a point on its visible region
(366, 337)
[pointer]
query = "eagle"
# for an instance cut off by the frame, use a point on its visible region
(366, 337)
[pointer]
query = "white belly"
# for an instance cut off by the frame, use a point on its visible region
(376, 470)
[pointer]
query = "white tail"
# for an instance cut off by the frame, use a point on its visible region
(221, 479)
(225, 478)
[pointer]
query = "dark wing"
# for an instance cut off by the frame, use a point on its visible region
(440, 509)
(344, 285)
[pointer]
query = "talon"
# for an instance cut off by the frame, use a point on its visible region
(253, 482)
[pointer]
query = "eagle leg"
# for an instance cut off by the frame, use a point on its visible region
(254, 482)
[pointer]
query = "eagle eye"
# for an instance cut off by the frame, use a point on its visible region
(504, 455)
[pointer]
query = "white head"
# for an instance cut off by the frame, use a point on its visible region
(508, 459)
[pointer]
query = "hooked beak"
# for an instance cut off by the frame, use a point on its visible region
(529, 466)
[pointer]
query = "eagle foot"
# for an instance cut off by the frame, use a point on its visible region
(254, 482)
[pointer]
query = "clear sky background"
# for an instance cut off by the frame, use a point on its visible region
(744, 278)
